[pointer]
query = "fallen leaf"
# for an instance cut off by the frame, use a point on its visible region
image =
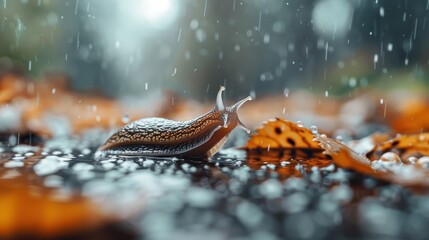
(387, 169)
(286, 148)
(405, 146)
(281, 134)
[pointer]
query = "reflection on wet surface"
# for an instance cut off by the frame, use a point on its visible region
(58, 189)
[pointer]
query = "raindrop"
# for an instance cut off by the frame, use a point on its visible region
(415, 29)
(266, 76)
(266, 38)
(205, 9)
(299, 123)
(314, 130)
(194, 24)
(54, 90)
(352, 82)
(200, 35)
(78, 40)
(237, 48)
(286, 92)
(326, 93)
(29, 65)
(278, 27)
(375, 60)
(187, 55)
(382, 12)
(126, 118)
(326, 51)
(389, 47)
(180, 34)
(20, 27)
(253, 94)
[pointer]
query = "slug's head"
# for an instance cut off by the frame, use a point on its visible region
(229, 114)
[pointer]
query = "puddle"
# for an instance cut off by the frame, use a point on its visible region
(58, 189)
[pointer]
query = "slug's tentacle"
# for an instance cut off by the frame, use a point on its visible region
(237, 106)
(219, 100)
(240, 124)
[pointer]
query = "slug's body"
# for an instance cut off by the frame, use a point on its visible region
(200, 137)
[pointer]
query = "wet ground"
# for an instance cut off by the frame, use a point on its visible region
(55, 188)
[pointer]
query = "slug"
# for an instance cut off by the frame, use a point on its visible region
(159, 137)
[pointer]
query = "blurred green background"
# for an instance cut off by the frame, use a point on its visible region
(131, 47)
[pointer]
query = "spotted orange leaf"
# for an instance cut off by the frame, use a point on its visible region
(286, 148)
(281, 134)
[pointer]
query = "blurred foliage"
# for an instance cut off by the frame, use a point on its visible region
(251, 46)
(30, 35)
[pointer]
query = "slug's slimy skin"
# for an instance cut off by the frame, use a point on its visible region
(200, 137)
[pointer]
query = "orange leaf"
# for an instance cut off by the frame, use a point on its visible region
(397, 172)
(285, 147)
(405, 146)
(281, 134)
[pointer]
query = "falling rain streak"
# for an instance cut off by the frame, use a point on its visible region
(415, 28)
(76, 7)
(78, 40)
(179, 35)
(326, 51)
(205, 8)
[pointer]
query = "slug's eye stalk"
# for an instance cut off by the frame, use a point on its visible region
(219, 101)
(237, 106)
